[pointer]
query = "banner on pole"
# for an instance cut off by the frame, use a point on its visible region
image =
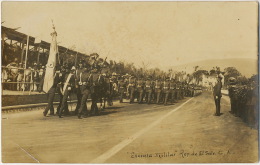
(50, 66)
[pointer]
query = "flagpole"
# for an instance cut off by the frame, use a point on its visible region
(25, 65)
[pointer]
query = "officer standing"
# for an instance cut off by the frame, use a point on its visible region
(217, 95)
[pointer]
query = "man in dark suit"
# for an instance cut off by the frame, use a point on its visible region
(217, 94)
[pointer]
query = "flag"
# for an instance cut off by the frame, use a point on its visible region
(50, 66)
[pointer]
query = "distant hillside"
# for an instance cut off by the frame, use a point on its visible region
(246, 67)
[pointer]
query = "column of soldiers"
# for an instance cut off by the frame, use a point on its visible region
(244, 100)
(88, 82)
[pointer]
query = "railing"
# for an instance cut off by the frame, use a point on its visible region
(15, 80)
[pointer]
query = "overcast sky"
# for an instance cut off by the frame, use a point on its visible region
(157, 33)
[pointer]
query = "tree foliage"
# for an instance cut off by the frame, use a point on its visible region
(231, 72)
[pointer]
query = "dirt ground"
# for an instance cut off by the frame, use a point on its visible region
(186, 132)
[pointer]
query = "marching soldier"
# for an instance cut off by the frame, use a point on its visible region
(68, 84)
(187, 92)
(157, 90)
(140, 89)
(126, 79)
(51, 93)
(182, 90)
(113, 81)
(191, 89)
(166, 90)
(131, 88)
(94, 89)
(172, 91)
(121, 88)
(85, 82)
(78, 91)
(64, 69)
(148, 90)
(178, 91)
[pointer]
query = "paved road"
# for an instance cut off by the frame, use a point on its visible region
(131, 133)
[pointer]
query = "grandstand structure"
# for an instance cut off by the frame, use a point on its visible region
(14, 45)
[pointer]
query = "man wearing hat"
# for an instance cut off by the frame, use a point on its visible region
(79, 71)
(84, 84)
(131, 88)
(140, 89)
(51, 93)
(68, 84)
(217, 94)
(172, 90)
(148, 90)
(178, 90)
(166, 90)
(121, 88)
(158, 89)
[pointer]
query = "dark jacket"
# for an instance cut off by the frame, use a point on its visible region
(217, 89)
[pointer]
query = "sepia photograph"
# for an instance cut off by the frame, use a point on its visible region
(129, 82)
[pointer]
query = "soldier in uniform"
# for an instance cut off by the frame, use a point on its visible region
(191, 88)
(172, 91)
(121, 88)
(126, 80)
(166, 90)
(85, 82)
(68, 84)
(131, 88)
(178, 93)
(113, 82)
(77, 79)
(64, 69)
(217, 95)
(158, 89)
(140, 89)
(95, 89)
(182, 90)
(148, 90)
(51, 93)
(187, 91)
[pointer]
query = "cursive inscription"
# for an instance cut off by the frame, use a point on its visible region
(179, 153)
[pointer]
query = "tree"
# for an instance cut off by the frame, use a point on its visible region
(197, 75)
(231, 72)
